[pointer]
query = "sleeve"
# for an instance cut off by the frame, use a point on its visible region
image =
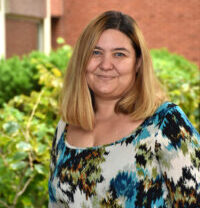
(178, 154)
(53, 154)
(53, 161)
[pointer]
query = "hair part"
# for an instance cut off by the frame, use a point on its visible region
(77, 106)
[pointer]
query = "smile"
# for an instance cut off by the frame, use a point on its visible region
(105, 77)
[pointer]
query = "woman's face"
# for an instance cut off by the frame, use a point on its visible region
(110, 72)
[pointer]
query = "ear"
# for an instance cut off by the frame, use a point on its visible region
(138, 64)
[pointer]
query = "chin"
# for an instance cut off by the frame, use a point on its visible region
(108, 94)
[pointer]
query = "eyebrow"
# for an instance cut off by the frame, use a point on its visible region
(114, 49)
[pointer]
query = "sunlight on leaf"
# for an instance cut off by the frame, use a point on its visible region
(24, 146)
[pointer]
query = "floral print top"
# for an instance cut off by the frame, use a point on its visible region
(156, 166)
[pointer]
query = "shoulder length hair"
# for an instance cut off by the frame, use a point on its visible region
(77, 100)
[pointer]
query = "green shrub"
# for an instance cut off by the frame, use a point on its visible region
(60, 57)
(181, 78)
(20, 76)
(15, 78)
(27, 126)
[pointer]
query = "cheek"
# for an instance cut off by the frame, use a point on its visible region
(125, 66)
(89, 78)
(128, 72)
(91, 65)
(128, 77)
(88, 68)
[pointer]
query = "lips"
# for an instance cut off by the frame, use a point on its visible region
(105, 76)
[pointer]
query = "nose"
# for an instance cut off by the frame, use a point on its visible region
(106, 63)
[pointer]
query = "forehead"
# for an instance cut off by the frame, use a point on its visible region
(114, 38)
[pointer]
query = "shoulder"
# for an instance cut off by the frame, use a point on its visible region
(177, 145)
(164, 108)
(58, 132)
(170, 126)
(175, 131)
(60, 128)
(173, 120)
(55, 143)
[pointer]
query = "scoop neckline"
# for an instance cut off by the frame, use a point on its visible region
(117, 141)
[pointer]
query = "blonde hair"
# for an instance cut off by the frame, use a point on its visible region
(77, 101)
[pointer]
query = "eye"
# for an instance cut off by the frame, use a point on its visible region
(119, 54)
(96, 53)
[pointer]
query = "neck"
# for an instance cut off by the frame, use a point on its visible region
(105, 108)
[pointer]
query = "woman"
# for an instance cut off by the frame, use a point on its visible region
(119, 143)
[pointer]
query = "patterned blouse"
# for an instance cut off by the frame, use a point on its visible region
(156, 166)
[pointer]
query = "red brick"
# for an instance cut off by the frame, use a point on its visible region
(21, 37)
(56, 8)
(171, 24)
(31, 8)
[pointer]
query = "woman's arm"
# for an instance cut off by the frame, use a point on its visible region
(53, 162)
(178, 152)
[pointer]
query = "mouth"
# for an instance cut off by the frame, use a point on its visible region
(105, 77)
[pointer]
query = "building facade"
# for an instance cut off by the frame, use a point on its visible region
(171, 24)
(25, 25)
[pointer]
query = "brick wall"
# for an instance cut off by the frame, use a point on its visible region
(21, 36)
(174, 24)
(33, 8)
(22, 19)
(57, 8)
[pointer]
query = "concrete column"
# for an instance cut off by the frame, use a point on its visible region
(2, 30)
(47, 29)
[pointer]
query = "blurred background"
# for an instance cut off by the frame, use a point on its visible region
(36, 43)
(171, 24)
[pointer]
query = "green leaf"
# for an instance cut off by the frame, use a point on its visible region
(29, 172)
(27, 202)
(40, 169)
(11, 127)
(20, 156)
(41, 148)
(24, 146)
(60, 40)
(18, 165)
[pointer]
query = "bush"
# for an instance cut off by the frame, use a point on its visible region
(27, 125)
(20, 76)
(15, 78)
(181, 79)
